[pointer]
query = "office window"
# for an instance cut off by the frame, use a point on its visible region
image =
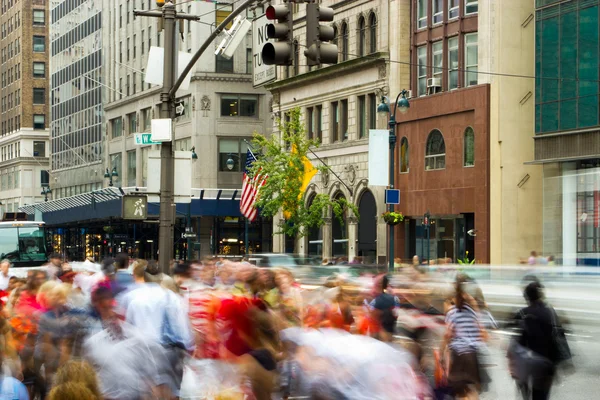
(39, 44)
(362, 116)
(39, 17)
(437, 55)
(234, 151)
(452, 63)
(222, 11)
(116, 163)
(471, 7)
(422, 70)
(134, 41)
(334, 131)
(469, 148)
(404, 155)
(39, 70)
(224, 65)
(438, 11)
(143, 43)
(120, 16)
(131, 168)
(39, 96)
(344, 41)
(149, 37)
(127, 82)
(310, 122)
(116, 127)
(362, 36)
(243, 105)
(373, 111)
(145, 151)
(39, 149)
(249, 61)
(453, 9)
(296, 58)
(435, 151)
(372, 33)
(39, 121)
(146, 118)
(128, 49)
(319, 123)
(131, 123)
(422, 13)
(471, 59)
(120, 88)
(127, 13)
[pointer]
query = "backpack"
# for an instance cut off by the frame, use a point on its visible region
(386, 303)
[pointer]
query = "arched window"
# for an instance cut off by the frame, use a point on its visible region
(344, 41)
(469, 147)
(335, 36)
(435, 151)
(339, 233)
(315, 235)
(404, 155)
(372, 33)
(362, 36)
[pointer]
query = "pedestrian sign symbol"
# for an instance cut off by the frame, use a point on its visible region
(135, 207)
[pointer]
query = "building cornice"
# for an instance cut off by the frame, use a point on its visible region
(336, 70)
(132, 99)
(222, 77)
(41, 161)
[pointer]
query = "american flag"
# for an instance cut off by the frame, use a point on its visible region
(250, 187)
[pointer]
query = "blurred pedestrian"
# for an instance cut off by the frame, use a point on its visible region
(551, 261)
(122, 278)
(4, 274)
(80, 372)
(54, 266)
(383, 307)
(532, 258)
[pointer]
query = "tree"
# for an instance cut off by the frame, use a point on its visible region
(284, 159)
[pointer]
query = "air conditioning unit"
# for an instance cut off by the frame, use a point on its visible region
(434, 83)
(409, 94)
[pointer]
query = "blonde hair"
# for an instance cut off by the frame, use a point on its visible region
(78, 372)
(72, 391)
(43, 294)
(139, 268)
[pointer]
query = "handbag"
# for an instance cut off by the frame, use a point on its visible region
(562, 352)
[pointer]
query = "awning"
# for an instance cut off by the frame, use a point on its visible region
(107, 203)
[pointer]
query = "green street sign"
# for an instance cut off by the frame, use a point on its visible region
(144, 138)
(135, 207)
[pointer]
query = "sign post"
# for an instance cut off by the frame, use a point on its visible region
(144, 138)
(261, 73)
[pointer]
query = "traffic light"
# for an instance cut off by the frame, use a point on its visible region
(319, 52)
(279, 52)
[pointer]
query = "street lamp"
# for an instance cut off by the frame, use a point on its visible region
(383, 108)
(230, 163)
(45, 192)
(194, 155)
(110, 175)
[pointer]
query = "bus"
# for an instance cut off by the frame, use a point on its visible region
(23, 243)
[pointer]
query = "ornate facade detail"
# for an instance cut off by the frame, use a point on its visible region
(193, 103)
(205, 105)
(222, 78)
(382, 71)
(327, 220)
(271, 104)
(276, 98)
(351, 172)
(325, 178)
(352, 220)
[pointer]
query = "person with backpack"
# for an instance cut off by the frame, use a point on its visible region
(383, 311)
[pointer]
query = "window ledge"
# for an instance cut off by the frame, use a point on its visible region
(469, 166)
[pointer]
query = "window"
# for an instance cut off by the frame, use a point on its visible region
(453, 9)
(39, 44)
(438, 11)
(127, 12)
(39, 70)
(128, 48)
(232, 154)
(224, 65)
(222, 12)
(183, 144)
(344, 41)
(131, 168)
(452, 63)
(39, 17)
(469, 148)
(131, 123)
(422, 13)
(362, 117)
(435, 151)
(319, 123)
(239, 105)
(404, 155)
(249, 61)
(373, 111)
(116, 127)
(121, 16)
(39, 95)
(134, 41)
(471, 59)
(146, 117)
(471, 7)
(149, 38)
(143, 43)
(39, 121)
(145, 151)
(335, 123)
(372, 33)
(296, 58)
(310, 123)
(437, 55)
(362, 37)
(116, 164)
(39, 149)
(422, 70)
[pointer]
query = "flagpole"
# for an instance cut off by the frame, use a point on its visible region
(246, 235)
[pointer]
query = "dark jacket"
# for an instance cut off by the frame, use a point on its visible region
(536, 323)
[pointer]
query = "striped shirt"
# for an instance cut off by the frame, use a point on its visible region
(467, 331)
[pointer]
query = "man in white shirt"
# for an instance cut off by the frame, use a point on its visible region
(4, 276)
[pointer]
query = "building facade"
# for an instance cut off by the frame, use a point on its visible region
(77, 94)
(338, 104)
(567, 123)
(24, 118)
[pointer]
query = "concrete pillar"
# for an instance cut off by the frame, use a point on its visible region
(569, 213)
(327, 240)
(352, 237)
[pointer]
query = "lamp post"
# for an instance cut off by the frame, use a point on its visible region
(427, 225)
(109, 175)
(45, 192)
(383, 108)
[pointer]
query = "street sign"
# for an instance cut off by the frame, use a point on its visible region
(392, 196)
(144, 138)
(135, 207)
(261, 72)
(179, 109)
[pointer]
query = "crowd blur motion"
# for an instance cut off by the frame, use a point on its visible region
(219, 329)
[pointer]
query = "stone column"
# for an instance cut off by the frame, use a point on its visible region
(327, 240)
(352, 237)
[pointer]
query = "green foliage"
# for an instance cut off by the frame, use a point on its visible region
(465, 261)
(283, 189)
(392, 217)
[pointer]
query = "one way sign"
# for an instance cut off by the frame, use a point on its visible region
(179, 109)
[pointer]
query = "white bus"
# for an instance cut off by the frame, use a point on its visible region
(23, 243)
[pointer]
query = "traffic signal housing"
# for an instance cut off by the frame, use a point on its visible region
(317, 35)
(279, 52)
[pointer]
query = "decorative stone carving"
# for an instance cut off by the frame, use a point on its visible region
(193, 103)
(325, 178)
(271, 104)
(352, 220)
(205, 105)
(327, 221)
(351, 172)
(382, 71)
(276, 98)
